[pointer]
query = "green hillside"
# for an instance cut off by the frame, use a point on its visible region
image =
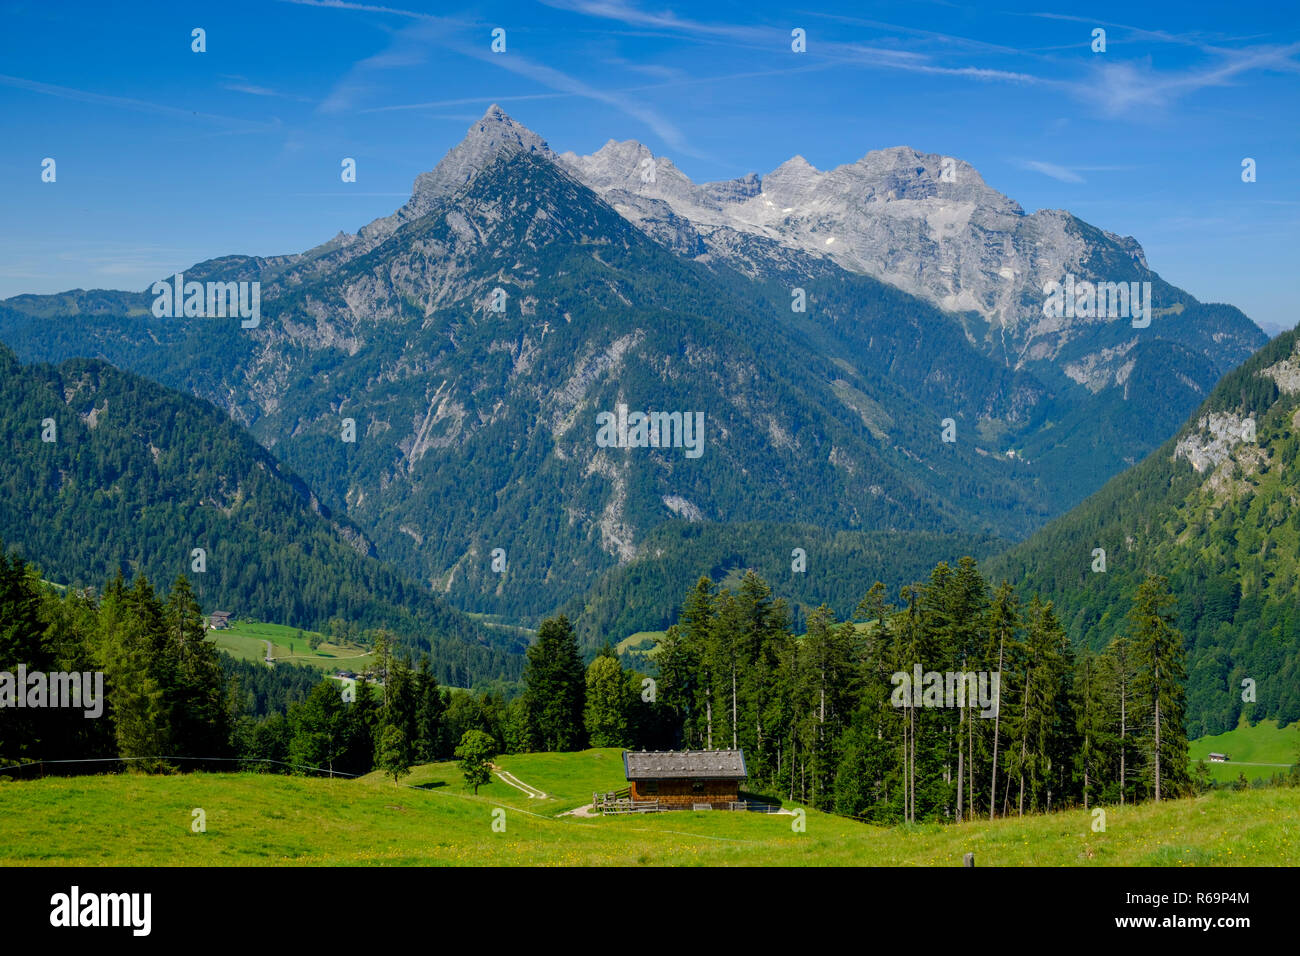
(1258, 752)
(1214, 511)
(246, 641)
(268, 820)
(139, 476)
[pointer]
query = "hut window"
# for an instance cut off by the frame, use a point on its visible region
(697, 786)
(651, 786)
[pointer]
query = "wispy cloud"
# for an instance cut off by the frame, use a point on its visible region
(371, 8)
(1158, 36)
(1116, 88)
(1060, 173)
(682, 80)
(778, 38)
(127, 103)
(873, 58)
(411, 45)
(240, 84)
(941, 39)
(1066, 174)
(486, 101)
(563, 82)
(632, 16)
(1111, 85)
(655, 70)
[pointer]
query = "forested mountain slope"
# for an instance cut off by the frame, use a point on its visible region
(136, 477)
(1215, 509)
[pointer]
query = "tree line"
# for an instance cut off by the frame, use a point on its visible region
(172, 701)
(821, 716)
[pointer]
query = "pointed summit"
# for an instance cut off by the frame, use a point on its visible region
(492, 136)
(496, 129)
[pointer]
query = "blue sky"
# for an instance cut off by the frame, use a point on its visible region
(166, 157)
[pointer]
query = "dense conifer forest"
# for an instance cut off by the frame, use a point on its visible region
(954, 701)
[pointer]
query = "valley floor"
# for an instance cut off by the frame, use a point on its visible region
(432, 819)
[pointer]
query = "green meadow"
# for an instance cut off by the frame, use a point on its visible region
(246, 640)
(643, 641)
(433, 819)
(1258, 751)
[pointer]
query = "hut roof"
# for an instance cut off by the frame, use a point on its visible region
(684, 764)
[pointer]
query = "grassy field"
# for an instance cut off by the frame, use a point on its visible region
(1258, 751)
(433, 819)
(640, 641)
(567, 779)
(245, 640)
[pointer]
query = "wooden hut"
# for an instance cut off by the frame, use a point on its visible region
(685, 778)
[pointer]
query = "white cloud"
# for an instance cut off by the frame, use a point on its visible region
(1062, 173)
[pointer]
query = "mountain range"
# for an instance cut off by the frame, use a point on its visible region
(830, 329)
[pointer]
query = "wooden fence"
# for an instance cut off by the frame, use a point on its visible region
(620, 801)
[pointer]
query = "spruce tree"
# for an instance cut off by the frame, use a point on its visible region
(1088, 711)
(430, 710)
(22, 642)
(359, 729)
(199, 707)
(1118, 669)
(1161, 674)
(1003, 623)
(319, 728)
(556, 685)
(131, 640)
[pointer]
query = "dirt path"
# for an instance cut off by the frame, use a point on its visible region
(511, 780)
(270, 654)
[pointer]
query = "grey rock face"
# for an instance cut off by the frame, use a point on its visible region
(492, 136)
(1213, 439)
(925, 223)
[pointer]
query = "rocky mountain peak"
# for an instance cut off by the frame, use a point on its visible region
(616, 165)
(494, 135)
(926, 223)
(796, 162)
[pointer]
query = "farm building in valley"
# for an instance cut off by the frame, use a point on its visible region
(1218, 758)
(219, 621)
(685, 778)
